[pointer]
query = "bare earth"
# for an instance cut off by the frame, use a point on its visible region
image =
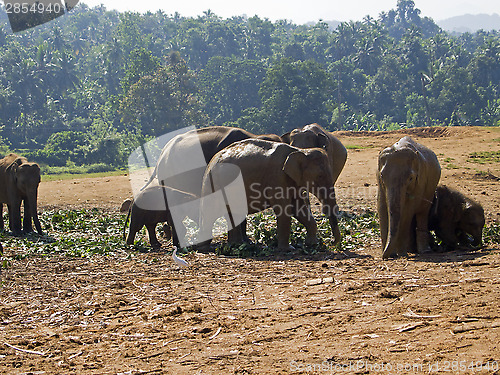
(334, 313)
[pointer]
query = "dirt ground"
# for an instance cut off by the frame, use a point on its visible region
(339, 312)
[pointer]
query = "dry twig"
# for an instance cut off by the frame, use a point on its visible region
(23, 350)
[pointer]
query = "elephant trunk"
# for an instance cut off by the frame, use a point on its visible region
(32, 198)
(394, 224)
(477, 238)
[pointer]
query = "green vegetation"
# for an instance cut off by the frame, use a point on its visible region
(84, 233)
(80, 233)
(355, 147)
(89, 87)
(484, 157)
(491, 233)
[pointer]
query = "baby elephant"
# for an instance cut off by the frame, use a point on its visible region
(150, 208)
(454, 217)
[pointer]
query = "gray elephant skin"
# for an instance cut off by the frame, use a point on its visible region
(313, 135)
(268, 170)
(141, 216)
(180, 150)
(408, 174)
(19, 180)
(454, 217)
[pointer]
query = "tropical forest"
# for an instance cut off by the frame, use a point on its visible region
(89, 87)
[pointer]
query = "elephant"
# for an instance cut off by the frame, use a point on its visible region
(408, 174)
(19, 180)
(313, 135)
(173, 166)
(454, 217)
(140, 215)
(275, 175)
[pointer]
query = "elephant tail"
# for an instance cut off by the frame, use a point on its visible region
(126, 221)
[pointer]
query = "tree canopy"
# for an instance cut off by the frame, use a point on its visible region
(98, 79)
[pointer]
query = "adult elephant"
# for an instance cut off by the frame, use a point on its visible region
(184, 158)
(408, 174)
(179, 166)
(313, 135)
(19, 182)
(274, 175)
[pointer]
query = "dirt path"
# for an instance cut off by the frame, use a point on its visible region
(332, 313)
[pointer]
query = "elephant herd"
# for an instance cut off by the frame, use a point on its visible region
(275, 172)
(280, 172)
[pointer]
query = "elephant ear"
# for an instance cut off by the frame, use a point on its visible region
(16, 163)
(323, 141)
(286, 138)
(12, 168)
(294, 166)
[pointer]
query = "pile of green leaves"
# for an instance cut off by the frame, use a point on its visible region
(80, 233)
(356, 229)
(491, 233)
(84, 233)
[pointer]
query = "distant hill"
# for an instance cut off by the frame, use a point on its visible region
(471, 23)
(332, 25)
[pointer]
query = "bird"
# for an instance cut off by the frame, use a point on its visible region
(180, 262)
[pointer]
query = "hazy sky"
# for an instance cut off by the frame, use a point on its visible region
(304, 10)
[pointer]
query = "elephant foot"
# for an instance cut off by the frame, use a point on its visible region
(424, 249)
(287, 248)
(203, 247)
(391, 254)
(313, 240)
(156, 245)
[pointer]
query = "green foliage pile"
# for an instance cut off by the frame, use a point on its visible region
(85, 233)
(91, 86)
(80, 233)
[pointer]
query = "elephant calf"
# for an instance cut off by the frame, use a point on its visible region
(454, 217)
(150, 208)
(275, 175)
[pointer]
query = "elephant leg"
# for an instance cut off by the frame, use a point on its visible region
(383, 216)
(167, 231)
(174, 236)
(2, 224)
(238, 234)
(412, 236)
(243, 231)
(284, 222)
(304, 216)
(27, 226)
(448, 235)
(15, 218)
(153, 241)
(234, 235)
(422, 232)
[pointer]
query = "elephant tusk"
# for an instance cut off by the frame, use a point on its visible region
(180, 262)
